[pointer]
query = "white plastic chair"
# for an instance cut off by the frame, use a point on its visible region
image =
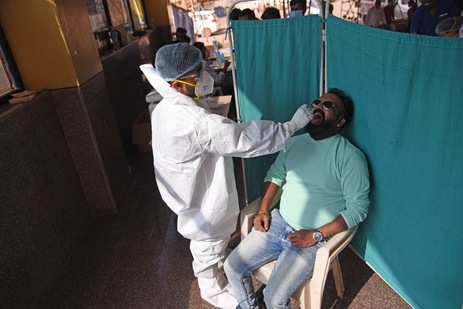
(310, 295)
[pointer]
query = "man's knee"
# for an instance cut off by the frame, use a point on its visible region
(272, 300)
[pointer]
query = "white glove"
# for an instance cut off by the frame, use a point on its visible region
(300, 119)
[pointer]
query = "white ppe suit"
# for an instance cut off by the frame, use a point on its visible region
(192, 151)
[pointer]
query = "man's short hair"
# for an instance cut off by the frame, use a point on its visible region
(271, 13)
(302, 2)
(347, 103)
(181, 30)
(234, 14)
(247, 13)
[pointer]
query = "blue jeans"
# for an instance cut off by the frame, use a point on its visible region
(293, 267)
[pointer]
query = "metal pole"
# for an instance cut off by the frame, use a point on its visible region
(235, 90)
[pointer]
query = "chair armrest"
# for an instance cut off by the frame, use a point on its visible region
(338, 242)
(248, 212)
(247, 216)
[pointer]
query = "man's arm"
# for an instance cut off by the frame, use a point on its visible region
(383, 19)
(414, 23)
(304, 238)
(262, 218)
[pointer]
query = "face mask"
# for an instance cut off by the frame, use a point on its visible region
(205, 85)
(295, 13)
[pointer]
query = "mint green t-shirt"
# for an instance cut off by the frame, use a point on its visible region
(321, 179)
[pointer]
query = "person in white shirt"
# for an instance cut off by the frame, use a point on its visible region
(375, 16)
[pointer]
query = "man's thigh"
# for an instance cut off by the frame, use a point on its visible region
(293, 268)
(255, 250)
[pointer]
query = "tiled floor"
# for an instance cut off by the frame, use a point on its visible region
(136, 259)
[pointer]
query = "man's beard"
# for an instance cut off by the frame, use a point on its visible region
(321, 131)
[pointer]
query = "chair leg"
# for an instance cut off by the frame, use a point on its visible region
(303, 296)
(337, 274)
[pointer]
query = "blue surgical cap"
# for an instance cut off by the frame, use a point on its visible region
(175, 60)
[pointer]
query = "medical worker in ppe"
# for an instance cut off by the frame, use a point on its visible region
(193, 150)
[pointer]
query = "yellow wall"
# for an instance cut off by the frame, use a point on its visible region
(48, 55)
(52, 40)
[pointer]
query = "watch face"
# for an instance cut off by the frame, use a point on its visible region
(318, 236)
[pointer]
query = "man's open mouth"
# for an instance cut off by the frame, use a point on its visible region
(317, 118)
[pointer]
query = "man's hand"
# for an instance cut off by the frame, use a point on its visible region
(302, 239)
(262, 222)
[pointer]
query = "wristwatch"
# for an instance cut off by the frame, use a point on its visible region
(317, 235)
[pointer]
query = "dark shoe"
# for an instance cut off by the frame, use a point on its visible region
(262, 304)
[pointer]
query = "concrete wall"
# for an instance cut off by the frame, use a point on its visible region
(43, 207)
(64, 155)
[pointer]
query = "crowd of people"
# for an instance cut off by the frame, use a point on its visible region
(420, 19)
(432, 17)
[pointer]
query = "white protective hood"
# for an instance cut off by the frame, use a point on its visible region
(161, 86)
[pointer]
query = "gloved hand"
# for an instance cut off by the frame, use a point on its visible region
(300, 119)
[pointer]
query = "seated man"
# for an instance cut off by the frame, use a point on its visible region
(325, 191)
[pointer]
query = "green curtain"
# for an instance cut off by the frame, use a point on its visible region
(408, 94)
(278, 70)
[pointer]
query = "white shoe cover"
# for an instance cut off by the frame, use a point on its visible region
(216, 293)
(223, 300)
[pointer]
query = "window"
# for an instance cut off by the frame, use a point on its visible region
(115, 21)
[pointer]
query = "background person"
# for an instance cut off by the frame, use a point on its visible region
(325, 185)
(181, 35)
(411, 9)
(192, 152)
(389, 12)
(429, 14)
(247, 14)
(235, 14)
(271, 13)
(218, 77)
(298, 8)
(375, 16)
